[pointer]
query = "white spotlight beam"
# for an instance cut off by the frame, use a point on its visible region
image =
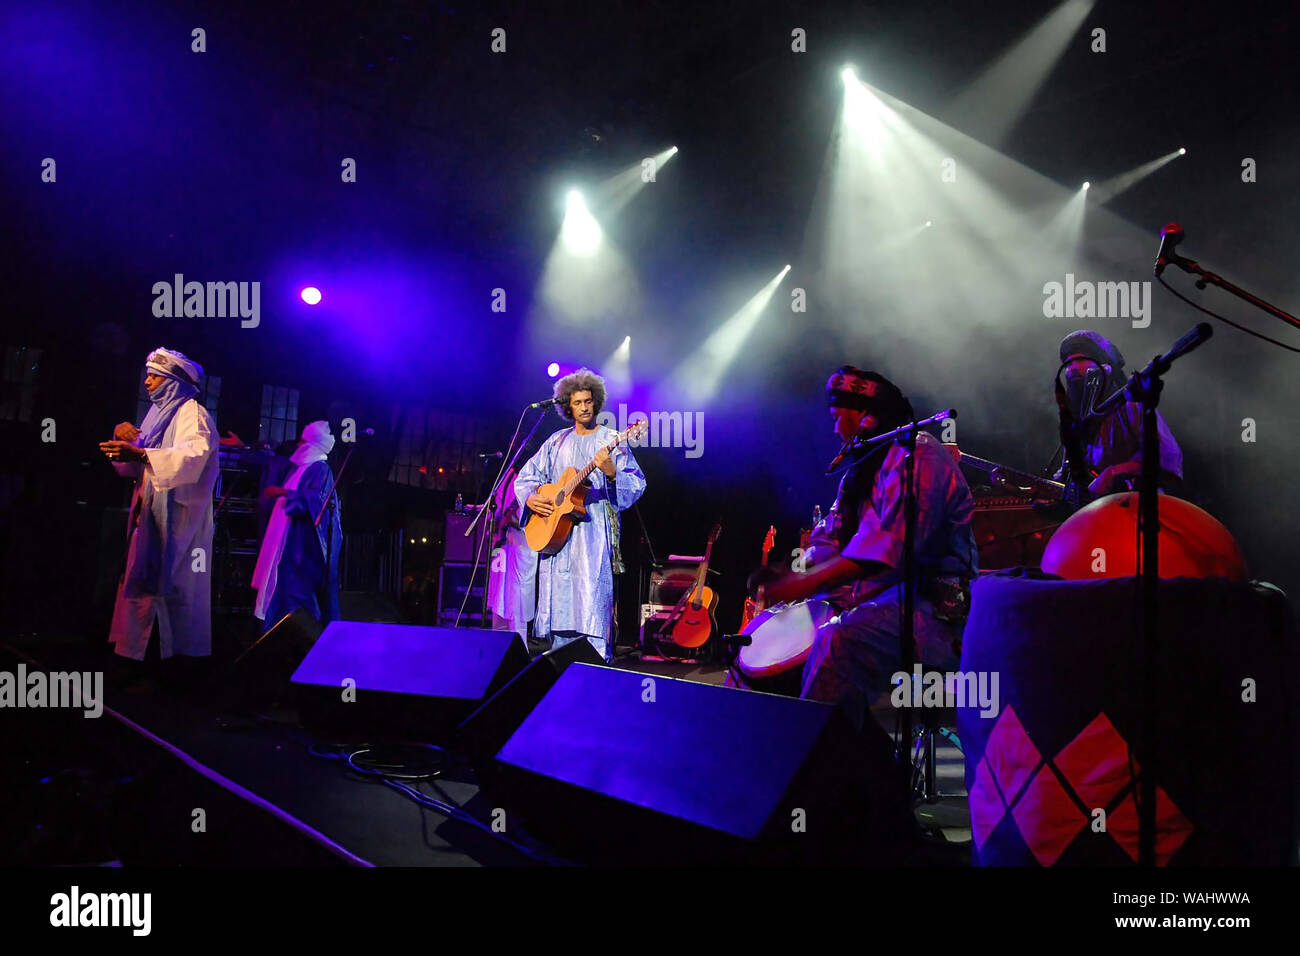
(585, 277)
(1110, 188)
(617, 367)
(620, 189)
(699, 376)
(991, 105)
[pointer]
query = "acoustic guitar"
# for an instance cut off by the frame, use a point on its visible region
(549, 534)
(696, 622)
(751, 606)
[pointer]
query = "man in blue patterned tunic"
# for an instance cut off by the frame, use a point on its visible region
(857, 554)
(575, 587)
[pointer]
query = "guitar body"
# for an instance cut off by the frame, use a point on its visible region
(696, 624)
(569, 495)
(548, 535)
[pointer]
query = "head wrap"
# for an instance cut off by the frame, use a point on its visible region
(1086, 344)
(850, 387)
(1090, 345)
(174, 365)
(182, 378)
(316, 444)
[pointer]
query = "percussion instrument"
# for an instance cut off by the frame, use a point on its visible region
(781, 639)
(1100, 541)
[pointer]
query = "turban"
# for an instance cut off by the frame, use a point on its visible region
(316, 444)
(174, 365)
(850, 387)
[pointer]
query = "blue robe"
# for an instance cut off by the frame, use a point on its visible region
(575, 588)
(300, 579)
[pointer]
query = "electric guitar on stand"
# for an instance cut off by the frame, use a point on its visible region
(569, 495)
(751, 606)
(693, 621)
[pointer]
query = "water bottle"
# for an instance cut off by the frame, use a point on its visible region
(460, 504)
(817, 515)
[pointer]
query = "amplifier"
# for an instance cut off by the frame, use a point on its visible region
(655, 648)
(458, 549)
(453, 582)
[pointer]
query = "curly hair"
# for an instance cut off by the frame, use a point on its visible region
(583, 380)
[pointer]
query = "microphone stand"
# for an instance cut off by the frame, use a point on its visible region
(508, 464)
(1206, 277)
(905, 435)
(1144, 386)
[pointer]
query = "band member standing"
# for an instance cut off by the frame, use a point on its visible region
(1108, 456)
(575, 586)
(512, 575)
(291, 571)
(855, 654)
(169, 550)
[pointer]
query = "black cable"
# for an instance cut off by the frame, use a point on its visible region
(1215, 315)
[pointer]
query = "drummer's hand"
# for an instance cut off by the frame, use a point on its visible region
(125, 431)
(1115, 478)
(782, 589)
(118, 450)
(763, 576)
(539, 505)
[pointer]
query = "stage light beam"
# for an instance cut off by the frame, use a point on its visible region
(700, 375)
(580, 232)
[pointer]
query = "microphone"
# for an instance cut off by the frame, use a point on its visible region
(1091, 386)
(1170, 236)
(492, 454)
(545, 403)
(1192, 340)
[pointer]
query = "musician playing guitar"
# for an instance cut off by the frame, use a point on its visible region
(575, 585)
(858, 553)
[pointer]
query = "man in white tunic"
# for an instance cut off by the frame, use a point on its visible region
(169, 531)
(575, 587)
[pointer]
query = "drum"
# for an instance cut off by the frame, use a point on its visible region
(782, 637)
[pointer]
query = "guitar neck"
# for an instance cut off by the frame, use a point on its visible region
(1022, 477)
(581, 476)
(702, 571)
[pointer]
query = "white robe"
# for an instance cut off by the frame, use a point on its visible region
(183, 472)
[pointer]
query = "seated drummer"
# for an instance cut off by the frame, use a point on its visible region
(858, 554)
(1109, 447)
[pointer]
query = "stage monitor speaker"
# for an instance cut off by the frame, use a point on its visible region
(400, 682)
(615, 767)
(485, 731)
(263, 670)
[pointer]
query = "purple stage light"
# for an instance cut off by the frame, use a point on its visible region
(311, 295)
(553, 369)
